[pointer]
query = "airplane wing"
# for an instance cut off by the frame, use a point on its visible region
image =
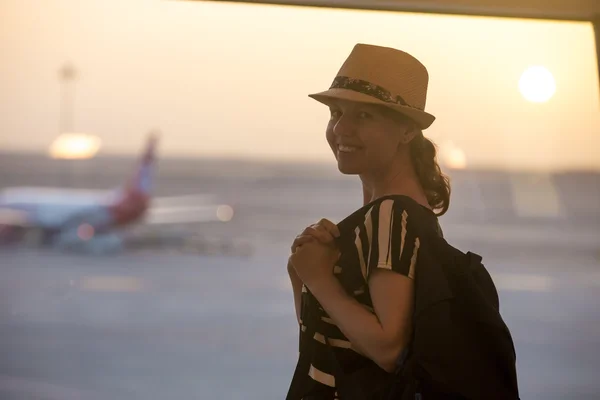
(194, 208)
(34, 195)
(185, 209)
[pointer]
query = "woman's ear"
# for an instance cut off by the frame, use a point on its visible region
(409, 133)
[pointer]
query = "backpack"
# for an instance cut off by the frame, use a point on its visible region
(460, 348)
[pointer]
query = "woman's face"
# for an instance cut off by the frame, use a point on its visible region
(364, 138)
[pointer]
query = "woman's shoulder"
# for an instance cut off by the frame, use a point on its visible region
(418, 213)
(404, 202)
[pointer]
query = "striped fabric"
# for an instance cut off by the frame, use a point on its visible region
(383, 237)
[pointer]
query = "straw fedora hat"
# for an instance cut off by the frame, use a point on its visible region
(384, 76)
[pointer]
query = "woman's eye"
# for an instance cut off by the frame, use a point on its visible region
(335, 113)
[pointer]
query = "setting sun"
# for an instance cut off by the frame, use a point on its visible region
(537, 84)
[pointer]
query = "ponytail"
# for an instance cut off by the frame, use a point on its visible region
(433, 181)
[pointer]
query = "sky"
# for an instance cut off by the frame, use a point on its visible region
(224, 79)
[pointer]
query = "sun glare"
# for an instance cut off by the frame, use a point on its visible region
(537, 84)
(73, 146)
(453, 156)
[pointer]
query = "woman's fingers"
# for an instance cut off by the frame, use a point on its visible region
(324, 231)
(330, 227)
(300, 240)
(320, 233)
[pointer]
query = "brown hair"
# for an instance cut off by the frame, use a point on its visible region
(434, 182)
(423, 157)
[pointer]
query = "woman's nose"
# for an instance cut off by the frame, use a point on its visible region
(343, 127)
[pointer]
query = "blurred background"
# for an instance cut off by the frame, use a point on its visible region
(157, 159)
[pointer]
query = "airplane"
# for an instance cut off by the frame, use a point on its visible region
(94, 221)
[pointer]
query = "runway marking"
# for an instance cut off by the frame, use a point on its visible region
(535, 195)
(28, 388)
(111, 284)
(524, 282)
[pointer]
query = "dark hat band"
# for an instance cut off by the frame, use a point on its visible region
(370, 89)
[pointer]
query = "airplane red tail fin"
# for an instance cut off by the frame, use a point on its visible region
(134, 198)
(142, 180)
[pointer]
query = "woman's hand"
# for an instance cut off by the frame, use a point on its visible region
(323, 231)
(314, 252)
(314, 262)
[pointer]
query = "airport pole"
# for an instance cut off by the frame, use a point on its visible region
(596, 24)
(67, 75)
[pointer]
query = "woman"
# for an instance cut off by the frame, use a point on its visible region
(361, 271)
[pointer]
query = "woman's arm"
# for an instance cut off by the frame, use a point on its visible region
(381, 336)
